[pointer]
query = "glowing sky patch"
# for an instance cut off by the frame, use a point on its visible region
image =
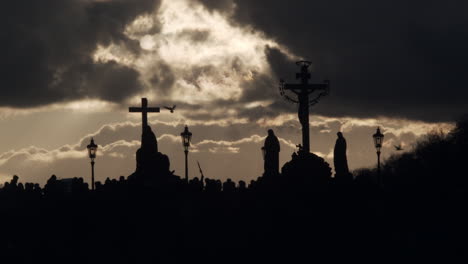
(193, 39)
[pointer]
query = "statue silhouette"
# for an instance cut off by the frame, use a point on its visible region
(272, 149)
(149, 141)
(340, 161)
(149, 160)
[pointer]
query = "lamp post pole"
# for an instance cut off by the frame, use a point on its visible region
(378, 167)
(186, 136)
(186, 165)
(92, 175)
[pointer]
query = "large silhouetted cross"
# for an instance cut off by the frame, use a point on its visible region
(303, 92)
(144, 110)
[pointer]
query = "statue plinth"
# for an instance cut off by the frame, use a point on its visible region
(307, 169)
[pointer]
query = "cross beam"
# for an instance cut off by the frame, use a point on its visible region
(144, 110)
(309, 88)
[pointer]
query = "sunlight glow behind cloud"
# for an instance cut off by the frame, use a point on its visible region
(209, 57)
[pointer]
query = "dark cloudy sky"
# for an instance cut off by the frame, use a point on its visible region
(71, 68)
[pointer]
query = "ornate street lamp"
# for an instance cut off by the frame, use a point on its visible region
(92, 149)
(186, 138)
(378, 141)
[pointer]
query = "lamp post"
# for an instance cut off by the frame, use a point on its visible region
(92, 149)
(378, 140)
(186, 138)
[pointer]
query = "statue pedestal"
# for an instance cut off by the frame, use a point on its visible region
(307, 170)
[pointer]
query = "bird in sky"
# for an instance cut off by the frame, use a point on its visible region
(398, 147)
(171, 108)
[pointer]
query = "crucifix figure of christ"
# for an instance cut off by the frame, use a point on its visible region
(144, 110)
(303, 92)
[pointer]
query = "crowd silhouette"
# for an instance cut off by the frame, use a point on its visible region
(300, 213)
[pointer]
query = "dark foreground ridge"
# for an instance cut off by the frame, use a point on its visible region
(300, 215)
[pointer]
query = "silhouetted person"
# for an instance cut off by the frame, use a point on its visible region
(196, 185)
(340, 161)
(252, 184)
(272, 149)
(242, 186)
(229, 186)
(219, 185)
(52, 186)
(98, 185)
(14, 181)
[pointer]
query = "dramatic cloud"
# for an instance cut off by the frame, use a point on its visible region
(199, 58)
(396, 59)
(48, 50)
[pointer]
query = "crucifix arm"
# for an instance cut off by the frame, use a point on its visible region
(318, 86)
(295, 88)
(147, 109)
(153, 109)
(134, 109)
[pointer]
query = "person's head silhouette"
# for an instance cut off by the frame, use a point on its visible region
(270, 132)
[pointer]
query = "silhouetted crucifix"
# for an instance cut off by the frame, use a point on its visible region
(302, 91)
(144, 110)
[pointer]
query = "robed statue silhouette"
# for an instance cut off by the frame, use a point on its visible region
(272, 149)
(150, 162)
(340, 161)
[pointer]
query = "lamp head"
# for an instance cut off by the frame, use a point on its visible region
(186, 136)
(92, 149)
(378, 139)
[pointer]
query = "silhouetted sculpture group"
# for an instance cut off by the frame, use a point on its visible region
(302, 213)
(296, 215)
